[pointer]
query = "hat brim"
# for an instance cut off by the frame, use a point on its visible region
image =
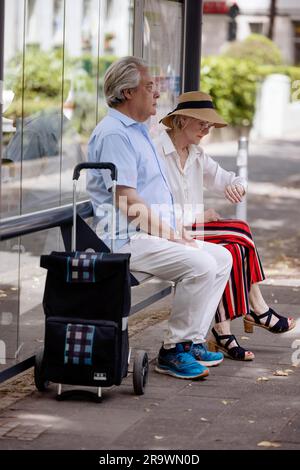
(209, 115)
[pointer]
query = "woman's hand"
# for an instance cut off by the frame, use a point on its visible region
(211, 216)
(234, 193)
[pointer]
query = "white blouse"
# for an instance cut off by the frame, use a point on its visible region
(187, 183)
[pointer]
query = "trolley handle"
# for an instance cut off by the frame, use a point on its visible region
(114, 176)
(96, 166)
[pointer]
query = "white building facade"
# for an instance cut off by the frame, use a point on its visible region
(253, 17)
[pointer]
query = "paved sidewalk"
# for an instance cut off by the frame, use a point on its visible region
(239, 406)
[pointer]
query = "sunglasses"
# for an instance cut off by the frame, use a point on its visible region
(205, 125)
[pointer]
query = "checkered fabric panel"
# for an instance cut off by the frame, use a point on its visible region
(79, 344)
(81, 268)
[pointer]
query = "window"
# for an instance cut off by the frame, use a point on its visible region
(297, 42)
(256, 28)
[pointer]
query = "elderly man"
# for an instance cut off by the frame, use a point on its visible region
(199, 270)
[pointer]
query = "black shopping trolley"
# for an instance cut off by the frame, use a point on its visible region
(86, 303)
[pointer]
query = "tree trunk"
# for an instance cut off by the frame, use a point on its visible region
(272, 16)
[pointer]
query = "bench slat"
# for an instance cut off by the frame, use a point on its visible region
(148, 293)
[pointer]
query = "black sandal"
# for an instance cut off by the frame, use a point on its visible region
(235, 352)
(281, 326)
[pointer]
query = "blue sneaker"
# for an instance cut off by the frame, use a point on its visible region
(205, 357)
(180, 363)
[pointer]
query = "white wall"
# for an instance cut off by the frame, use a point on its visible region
(215, 29)
(214, 34)
(243, 21)
(283, 37)
(276, 116)
(263, 6)
(283, 32)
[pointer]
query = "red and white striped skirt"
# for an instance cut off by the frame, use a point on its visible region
(236, 237)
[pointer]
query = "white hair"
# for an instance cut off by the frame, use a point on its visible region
(123, 74)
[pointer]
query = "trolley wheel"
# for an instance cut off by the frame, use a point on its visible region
(140, 372)
(40, 380)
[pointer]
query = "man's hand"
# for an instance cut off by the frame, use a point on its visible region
(234, 193)
(211, 216)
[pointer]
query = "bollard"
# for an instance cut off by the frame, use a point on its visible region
(242, 170)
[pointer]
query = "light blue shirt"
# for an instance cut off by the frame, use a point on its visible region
(120, 140)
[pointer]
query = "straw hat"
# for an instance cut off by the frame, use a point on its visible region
(197, 105)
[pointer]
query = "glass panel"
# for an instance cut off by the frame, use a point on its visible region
(32, 282)
(105, 29)
(116, 22)
(21, 313)
(56, 54)
(115, 40)
(163, 25)
(10, 183)
(9, 302)
(35, 148)
(12, 107)
(79, 89)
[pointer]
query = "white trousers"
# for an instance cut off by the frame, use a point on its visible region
(200, 275)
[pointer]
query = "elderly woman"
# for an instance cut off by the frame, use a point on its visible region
(189, 168)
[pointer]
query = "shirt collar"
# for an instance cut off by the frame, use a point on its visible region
(167, 144)
(126, 120)
(195, 151)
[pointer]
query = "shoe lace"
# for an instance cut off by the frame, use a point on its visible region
(199, 347)
(184, 357)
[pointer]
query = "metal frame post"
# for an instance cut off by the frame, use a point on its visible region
(242, 170)
(193, 13)
(2, 13)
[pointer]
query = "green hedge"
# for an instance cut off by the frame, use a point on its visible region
(233, 83)
(232, 78)
(42, 82)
